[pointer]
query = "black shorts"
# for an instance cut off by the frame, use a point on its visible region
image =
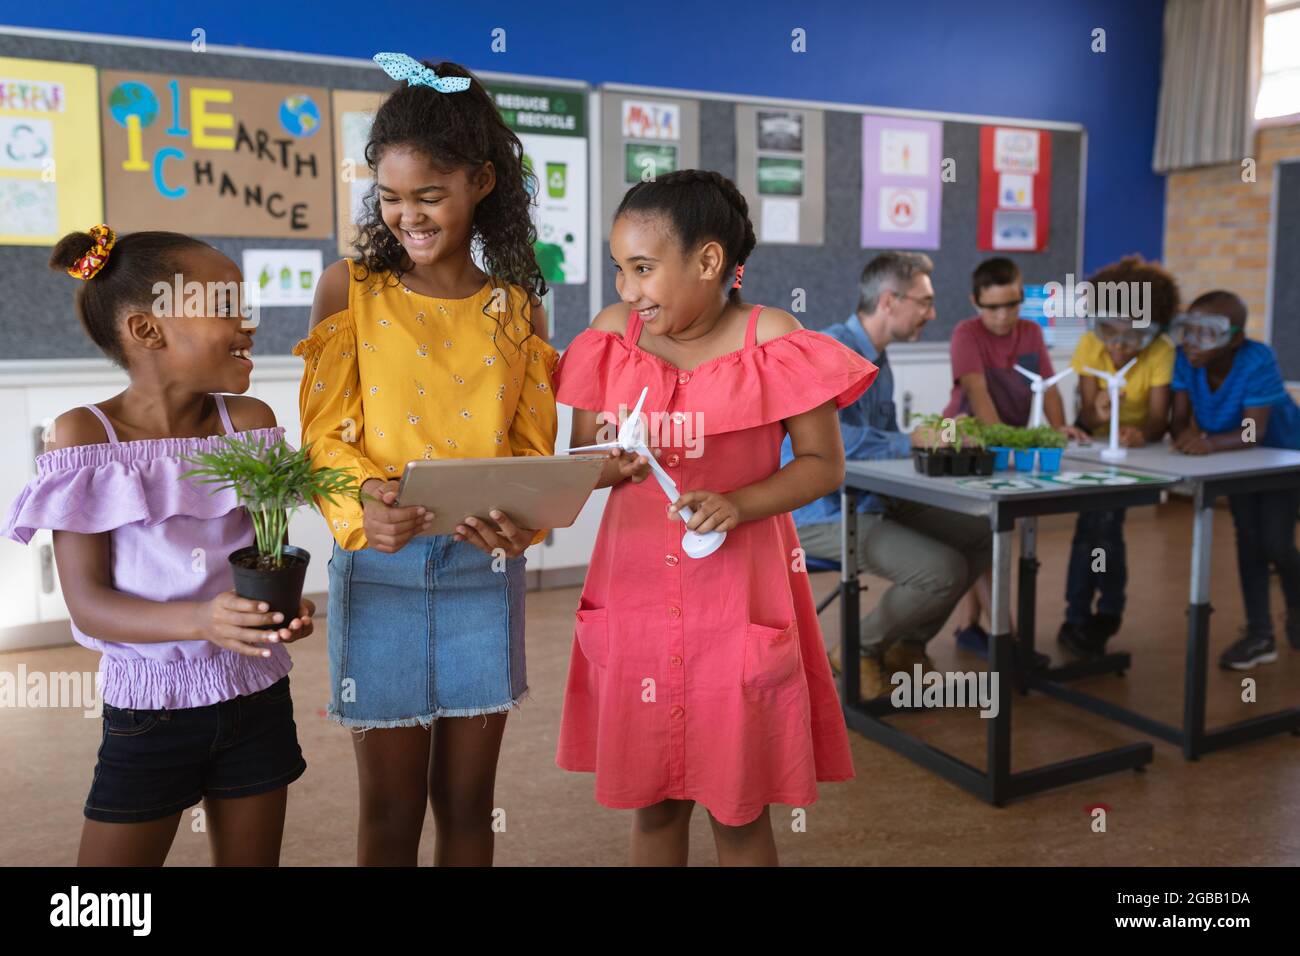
(154, 763)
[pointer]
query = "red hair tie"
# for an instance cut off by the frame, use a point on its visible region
(740, 272)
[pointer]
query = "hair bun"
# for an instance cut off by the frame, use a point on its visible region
(69, 249)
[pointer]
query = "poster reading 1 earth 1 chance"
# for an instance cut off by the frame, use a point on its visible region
(216, 157)
(551, 123)
(49, 151)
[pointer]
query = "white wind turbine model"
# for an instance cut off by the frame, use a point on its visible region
(1039, 387)
(631, 438)
(1114, 383)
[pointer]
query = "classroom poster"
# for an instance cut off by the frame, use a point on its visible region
(641, 139)
(353, 113)
(49, 151)
(282, 277)
(781, 172)
(1015, 189)
(551, 123)
(216, 157)
(901, 185)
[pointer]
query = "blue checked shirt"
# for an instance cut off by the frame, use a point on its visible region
(869, 426)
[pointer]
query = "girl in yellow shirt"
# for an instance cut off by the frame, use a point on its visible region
(1098, 561)
(416, 352)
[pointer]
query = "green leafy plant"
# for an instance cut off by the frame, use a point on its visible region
(998, 435)
(271, 482)
(973, 432)
(932, 428)
(1019, 438)
(1047, 437)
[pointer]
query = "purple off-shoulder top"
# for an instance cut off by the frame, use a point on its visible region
(170, 541)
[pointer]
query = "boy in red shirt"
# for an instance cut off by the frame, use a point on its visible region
(984, 351)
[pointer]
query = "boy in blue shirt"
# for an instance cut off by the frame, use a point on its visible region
(1234, 390)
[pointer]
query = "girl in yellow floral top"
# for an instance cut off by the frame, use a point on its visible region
(417, 353)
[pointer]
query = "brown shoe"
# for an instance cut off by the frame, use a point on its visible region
(873, 682)
(902, 657)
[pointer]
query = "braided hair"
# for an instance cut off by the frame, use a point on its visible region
(699, 205)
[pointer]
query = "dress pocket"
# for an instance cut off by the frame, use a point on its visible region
(593, 634)
(771, 654)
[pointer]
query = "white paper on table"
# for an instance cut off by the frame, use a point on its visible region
(780, 220)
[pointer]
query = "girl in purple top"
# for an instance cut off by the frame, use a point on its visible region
(196, 693)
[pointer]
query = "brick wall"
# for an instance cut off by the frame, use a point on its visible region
(1217, 227)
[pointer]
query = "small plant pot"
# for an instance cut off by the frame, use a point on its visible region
(281, 588)
(1001, 457)
(1049, 460)
(1025, 459)
(983, 463)
(959, 463)
(928, 463)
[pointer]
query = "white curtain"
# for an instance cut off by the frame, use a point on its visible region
(1209, 78)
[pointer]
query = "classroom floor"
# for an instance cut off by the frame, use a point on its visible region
(1235, 807)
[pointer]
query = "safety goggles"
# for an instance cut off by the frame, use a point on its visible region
(1203, 331)
(1121, 331)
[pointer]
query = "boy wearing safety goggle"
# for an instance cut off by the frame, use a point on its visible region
(1111, 343)
(1228, 396)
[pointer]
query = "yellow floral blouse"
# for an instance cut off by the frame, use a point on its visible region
(399, 376)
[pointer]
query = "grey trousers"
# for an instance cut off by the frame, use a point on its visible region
(932, 557)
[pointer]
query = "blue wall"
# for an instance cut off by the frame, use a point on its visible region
(1018, 58)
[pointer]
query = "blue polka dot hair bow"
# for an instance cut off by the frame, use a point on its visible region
(402, 67)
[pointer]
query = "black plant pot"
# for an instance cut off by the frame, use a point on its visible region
(281, 588)
(959, 463)
(928, 463)
(982, 463)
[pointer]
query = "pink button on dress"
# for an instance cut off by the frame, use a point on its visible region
(705, 679)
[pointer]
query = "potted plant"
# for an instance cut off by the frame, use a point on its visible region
(997, 439)
(1021, 442)
(928, 460)
(972, 433)
(1050, 445)
(271, 482)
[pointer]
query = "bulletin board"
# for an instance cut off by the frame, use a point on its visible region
(832, 175)
(294, 107)
(1284, 271)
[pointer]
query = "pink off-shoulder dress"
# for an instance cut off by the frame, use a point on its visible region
(705, 679)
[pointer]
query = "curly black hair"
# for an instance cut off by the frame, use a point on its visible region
(699, 205)
(1163, 294)
(456, 130)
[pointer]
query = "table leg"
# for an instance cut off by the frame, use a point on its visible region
(850, 638)
(1198, 628)
(1000, 665)
(1027, 602)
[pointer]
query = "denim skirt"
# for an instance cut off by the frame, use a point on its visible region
(433, 630)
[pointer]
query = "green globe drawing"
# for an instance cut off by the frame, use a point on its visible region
(133, 99)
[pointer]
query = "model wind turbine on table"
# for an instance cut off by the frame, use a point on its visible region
(631, 438)
(1039, 387)
(1114, 383)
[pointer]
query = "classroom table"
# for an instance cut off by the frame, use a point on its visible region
(1007, 500)
(1203, 478)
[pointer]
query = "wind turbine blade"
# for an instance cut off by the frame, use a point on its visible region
(630, 432)
(1131, 362)
(603, 446)
(1098, 372)
(1058, 376)
(1033, 376)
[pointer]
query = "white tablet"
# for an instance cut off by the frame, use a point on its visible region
(535, 491)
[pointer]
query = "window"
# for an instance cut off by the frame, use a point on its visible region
(1279, 87)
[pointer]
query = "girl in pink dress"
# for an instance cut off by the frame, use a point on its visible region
(703, 679)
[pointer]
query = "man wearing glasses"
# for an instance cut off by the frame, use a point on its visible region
(931, 556)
